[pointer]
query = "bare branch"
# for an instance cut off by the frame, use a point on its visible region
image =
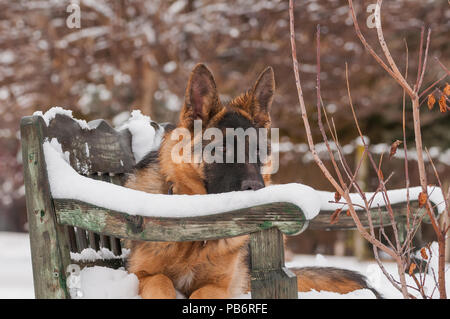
(374, 54)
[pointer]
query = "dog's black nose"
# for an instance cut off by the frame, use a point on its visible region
(251, 185)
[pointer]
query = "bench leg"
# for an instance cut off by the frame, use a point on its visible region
(50, 252)
(270, 279)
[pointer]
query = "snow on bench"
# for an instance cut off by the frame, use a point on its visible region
(66, 183)
(89, 254)
(145, 136)
(51, 114)
(395, 196)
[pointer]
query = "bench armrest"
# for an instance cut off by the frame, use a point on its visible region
(287, 217)
(380, 217)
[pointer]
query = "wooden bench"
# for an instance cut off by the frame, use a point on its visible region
(60, 226)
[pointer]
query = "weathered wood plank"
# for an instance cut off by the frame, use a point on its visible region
(103, 239)
(322, 220)
(116, 246)
(94, 240)
(50, 251)
(270, 279)
(286, 217)
(72, 238)
(82, 241)
(100, 149)
(105, 242)
(110, 263)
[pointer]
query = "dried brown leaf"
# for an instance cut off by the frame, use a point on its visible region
(422, 199)
(394, 147)
(442, 104)
(431, 101)
(423, 252)
(411, 269)
(335, 216)
(337, 197)
(446, 89)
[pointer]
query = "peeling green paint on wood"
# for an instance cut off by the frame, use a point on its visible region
(286, 217)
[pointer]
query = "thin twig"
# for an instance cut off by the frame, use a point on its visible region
(422, 31)
(433, 85)
(442, 66)
(424, 66)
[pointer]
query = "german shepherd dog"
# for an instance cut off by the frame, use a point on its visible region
(214, 268)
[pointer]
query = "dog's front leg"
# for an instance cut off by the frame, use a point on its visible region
(156, 287)
(210, 292)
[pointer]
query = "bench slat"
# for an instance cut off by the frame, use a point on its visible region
(94, 240)
(82, 240)
(104, 240)
(72, 238)
(116, 245)
(287, 217)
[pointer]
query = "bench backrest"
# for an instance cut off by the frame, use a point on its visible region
(100, 152)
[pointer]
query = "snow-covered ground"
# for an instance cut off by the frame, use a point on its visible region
(16, 277)
(16, 280)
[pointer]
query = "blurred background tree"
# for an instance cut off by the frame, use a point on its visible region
(136, 54)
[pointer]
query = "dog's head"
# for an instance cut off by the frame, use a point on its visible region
(221, 143)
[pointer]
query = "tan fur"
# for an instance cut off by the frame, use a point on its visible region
(156, 287)
(186, 178)
(332, 279)
(148, 180)
(214, 268)
(311, 281)
(245, 105)
(190, 266)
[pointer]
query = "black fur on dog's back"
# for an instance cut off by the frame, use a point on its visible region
(150, 158)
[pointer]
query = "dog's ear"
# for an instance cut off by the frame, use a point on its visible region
(263, 91)
(201, 98)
